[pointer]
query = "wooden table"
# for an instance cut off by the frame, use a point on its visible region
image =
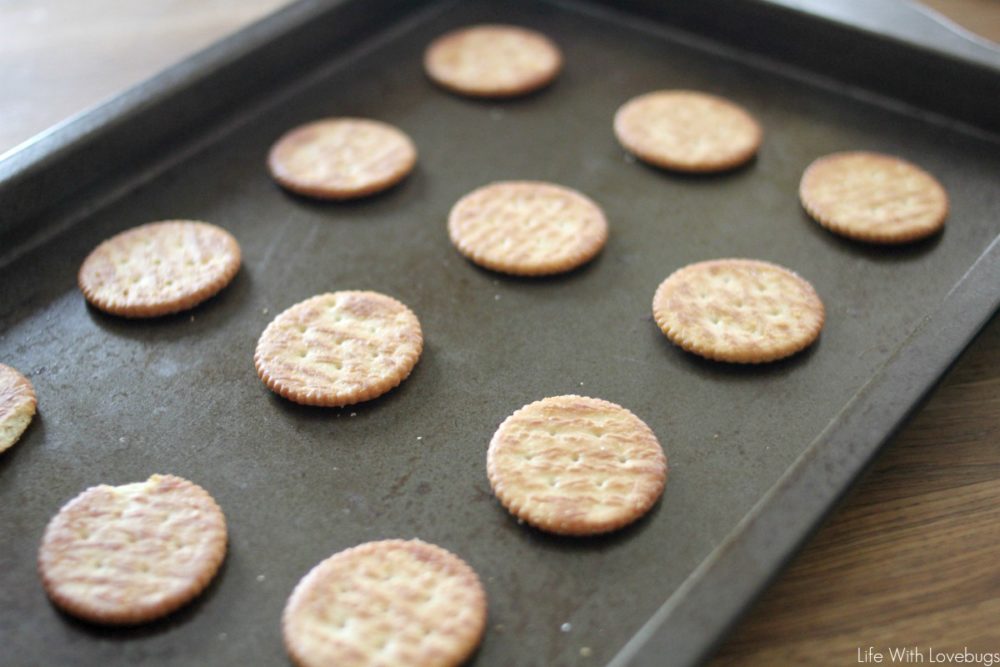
(910, 559)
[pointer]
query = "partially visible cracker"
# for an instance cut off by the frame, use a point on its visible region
(129, 554)
(738, 310)
(527, 228)
(493, 61)
(342, 158)
(573, 465)
(873, 197)
(17, 406)
(687, 131)
(339, 348)
(159, 268)
(393, 602)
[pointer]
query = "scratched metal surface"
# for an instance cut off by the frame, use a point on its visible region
(120, 400)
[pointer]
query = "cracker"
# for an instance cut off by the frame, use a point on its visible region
(393, 602)
(873, 197)
(129, 554)
(738, 310)
(342, 158)
(493, 61)
(527, 228)
(339, 348)
(17, 406)
(687, 131)
(159, 268)
(576, 466)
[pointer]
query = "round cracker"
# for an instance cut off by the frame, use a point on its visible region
(159, 268)
(17, 406)
(393, 602)
(493, 61)
(527, 228)
(573, 465)
(738, 310)
(339, 348)
(687, 131)
(873, 197)
(129, 554)
(342, 158)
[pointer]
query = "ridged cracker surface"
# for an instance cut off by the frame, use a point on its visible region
(390, 603)
(738, 310)
(129, 554)
(17, 406)
(527, 228)
(339, 348)
(493, 61)
(342, 158)
(159, 268)
(873, 197)
(687, 131)
(576, 466)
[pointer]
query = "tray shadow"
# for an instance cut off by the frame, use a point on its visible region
(694, 177)
(567, 543)
(879, 252)
(360, 410)
(408, 188)
(710, 368)
(174, 620)
(32, 436)
(209, 314)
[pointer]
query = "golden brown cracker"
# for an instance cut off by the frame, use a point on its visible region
(686, 130)
(738, 310)
(339, 348)
(493, 61)
(17, 406)
(394, 602)
(159, 268)
(873, 197)
(574, 465)
(342, 158)
(130, 554)
(527, 228)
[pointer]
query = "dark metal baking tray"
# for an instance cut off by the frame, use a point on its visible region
(758, 455)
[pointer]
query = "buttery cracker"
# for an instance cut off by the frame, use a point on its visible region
(527, 228)
(159, 268)
(738, 310)
(342, 158)
(339, 348)
(493, 61)
(688, 131)
(394, 602)
(573, 465)
(873, 197)
(129, 554)
(17, 406)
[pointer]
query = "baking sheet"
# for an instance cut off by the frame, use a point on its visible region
(120, 400)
